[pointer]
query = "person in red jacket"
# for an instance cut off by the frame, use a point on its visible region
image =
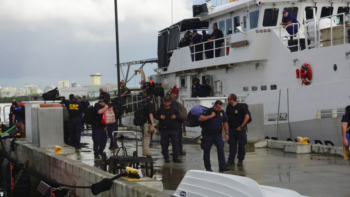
(175, 91)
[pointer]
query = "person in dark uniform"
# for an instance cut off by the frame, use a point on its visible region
(213, 119)
(146, 89)
(185, 41)
(167, 115)
(215, 35)
(208, 45)
(195, 89)
(99, 136)
(17, 118)
(148, 126)
(11, 123)
(161, 92)
(75, 111)
(196, 39)
(287, 20)
(238, 118)
(345, 125)
(84, 104)
(178, 122)
(205, 89)
(102, 94)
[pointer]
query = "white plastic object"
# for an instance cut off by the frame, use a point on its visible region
(198, 183)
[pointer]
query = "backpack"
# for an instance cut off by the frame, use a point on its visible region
(139, 116)
(51, 95)
(244, 105)
(182, 112)
(91, 116)
(193, 116)
(117, 108)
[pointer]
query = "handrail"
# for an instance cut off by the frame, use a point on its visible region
(213, 49)
(331, 37)
(298, 36)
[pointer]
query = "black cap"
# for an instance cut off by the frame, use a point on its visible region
(84, 96)
(218, 102)
(160, 84)
(105, 101)
(167, 99)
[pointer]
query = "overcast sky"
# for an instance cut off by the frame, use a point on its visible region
(44, 41)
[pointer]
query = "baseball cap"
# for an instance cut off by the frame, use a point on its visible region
(284, 11)
(194, 30)
(105, 101)
(79, 97)
(218, 102)
(84, 96)
(167, 99)
(35, 98)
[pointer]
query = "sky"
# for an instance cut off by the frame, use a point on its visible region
(45, 41)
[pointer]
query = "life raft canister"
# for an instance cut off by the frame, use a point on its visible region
(306, 74)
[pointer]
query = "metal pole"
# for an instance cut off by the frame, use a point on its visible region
(117, 52)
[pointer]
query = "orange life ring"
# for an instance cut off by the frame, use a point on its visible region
(306, 74)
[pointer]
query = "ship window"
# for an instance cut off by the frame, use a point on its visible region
(273, 87)
(254, 18)
(229, 26)
(340, 18)
(263, 88)
(236, 23)
(245, 89)
(244, 22)
(222, 27)
(255, 88)
(292, 10)
(326, 11)
(270, 17)
(310, 13)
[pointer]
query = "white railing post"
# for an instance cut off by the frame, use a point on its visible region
(214, 49)
(306, 33)
(331, 31)
(314, 13)
(344, 27)
(203, 52)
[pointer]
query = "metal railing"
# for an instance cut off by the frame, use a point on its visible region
(284, 36)
(211, 48)
(331, 29)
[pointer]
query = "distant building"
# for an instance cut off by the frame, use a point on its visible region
(75, 84)
(81, 91)
(31, 89)
(96, 79)
(63, 84)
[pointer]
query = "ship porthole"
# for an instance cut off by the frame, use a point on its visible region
(335, 68)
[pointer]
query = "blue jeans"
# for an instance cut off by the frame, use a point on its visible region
(207, 142)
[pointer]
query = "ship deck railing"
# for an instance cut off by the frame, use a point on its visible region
(214, 48)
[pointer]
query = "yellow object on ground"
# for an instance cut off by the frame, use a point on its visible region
(58, 150)
(131, 171)
(303, 140)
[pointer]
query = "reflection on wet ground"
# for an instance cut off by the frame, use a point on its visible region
(308, 174)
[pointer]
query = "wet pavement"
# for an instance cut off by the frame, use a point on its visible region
(308, 174)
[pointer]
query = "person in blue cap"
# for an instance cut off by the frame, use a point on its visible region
(36, 98)
(196, 39)
(287, 20)
(185, 41)
(214, 122)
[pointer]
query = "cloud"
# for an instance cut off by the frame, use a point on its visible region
(46, 40)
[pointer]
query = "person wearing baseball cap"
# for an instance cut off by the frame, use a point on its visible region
(287, 20)
(214, 122)
(195, 88)
(148, 127)
(75, 111)
(196, 39)
(99, 135)
(167, 115)
(36, 98)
